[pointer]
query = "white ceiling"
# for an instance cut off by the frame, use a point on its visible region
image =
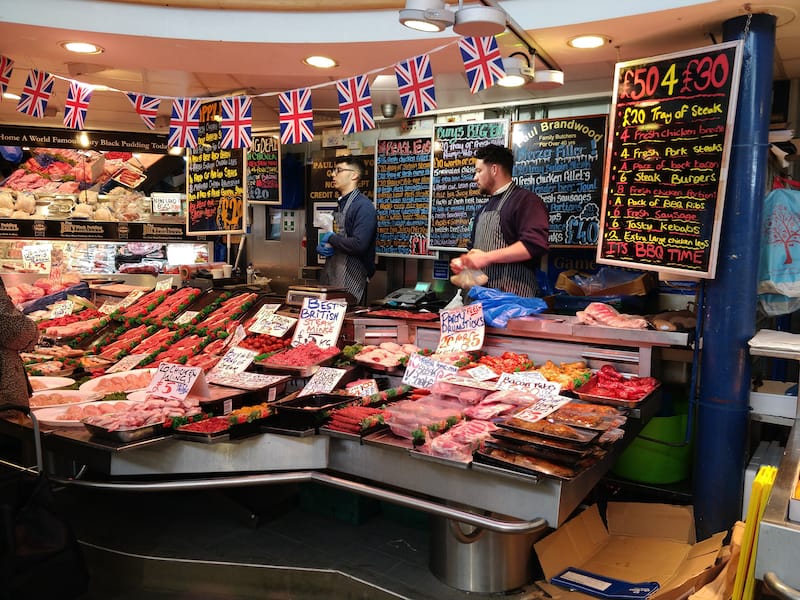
(206, 52)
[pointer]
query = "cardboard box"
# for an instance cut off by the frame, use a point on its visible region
(643, 542)
(640, 286)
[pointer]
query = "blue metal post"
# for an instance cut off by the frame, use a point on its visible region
(730, 310)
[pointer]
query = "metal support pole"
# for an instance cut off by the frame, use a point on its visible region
(730, 311)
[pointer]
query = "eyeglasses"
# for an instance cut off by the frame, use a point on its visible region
(338, 170)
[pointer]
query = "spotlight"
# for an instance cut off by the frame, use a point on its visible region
(388, 110)
(547, 79)
(518, 71)
(426, 15)
(480, 21)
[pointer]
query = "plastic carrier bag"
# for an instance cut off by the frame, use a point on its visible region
(779, 262)
(499, 307)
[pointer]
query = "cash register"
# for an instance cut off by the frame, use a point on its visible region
(416, 297)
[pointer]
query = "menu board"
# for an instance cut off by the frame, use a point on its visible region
(264, 170)
(320, 179)
(561, 160)
(215, 182)
(667, 160)
(454, 196)
(402, 196)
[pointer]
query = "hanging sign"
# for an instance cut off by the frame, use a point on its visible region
(462, 329)
(320, 322)
(175, 382)
(667, 160)
(264, 170)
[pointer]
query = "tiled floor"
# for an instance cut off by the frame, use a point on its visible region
(188, 544)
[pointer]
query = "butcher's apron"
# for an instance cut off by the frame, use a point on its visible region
(507, 277)
(342, 270)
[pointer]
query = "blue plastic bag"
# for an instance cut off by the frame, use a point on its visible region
(499, 307)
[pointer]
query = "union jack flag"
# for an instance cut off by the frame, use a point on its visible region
(296, 118)
(482, 61)
(415, 83)
(146, 107)
(355, 104)
(36, 93)
(237, 122)
(6, 66)
(184, 126)
(77, 104)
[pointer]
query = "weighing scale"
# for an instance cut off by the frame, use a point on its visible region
(415, 297)
(297, 293)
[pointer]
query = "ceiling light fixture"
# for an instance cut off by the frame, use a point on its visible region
(548, 79)
(480, 21)
(321, 62)
(82, 47)
(10, 96)
(427, 15)
(588, 41)
(518, 70)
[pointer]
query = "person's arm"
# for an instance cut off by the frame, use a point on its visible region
(364, 225)
(478, 259)
(17, 332)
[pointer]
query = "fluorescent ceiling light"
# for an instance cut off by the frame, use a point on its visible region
(426, 15)
(82, 47)
(588, 41)
(480, 21)
(321, 62)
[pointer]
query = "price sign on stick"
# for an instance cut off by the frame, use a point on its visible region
(462, 329)
(234, 361)
(273, 324)
(423, 372)
(320, 322)
(323, 381)
(174, 382)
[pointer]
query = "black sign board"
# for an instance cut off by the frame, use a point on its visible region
(561, 160)
(454, 197)
(666, 162)
(215, 181)
(402, 195)
(264, 170)
(51, 137)
(320, 181)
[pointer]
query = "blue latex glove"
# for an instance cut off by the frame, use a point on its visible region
(325, 250)
(325, 237)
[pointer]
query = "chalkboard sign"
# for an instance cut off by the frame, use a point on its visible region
(667, 160)
(215, 184)
(402, 196)
(320, 179)
(454, 196)
(561, 160)
(264, 170)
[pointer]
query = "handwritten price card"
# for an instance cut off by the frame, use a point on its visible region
(541, 408)
(126, 363)
(37, 257)
(252, 381)
(166, 202)
(61, 309)
(320, 322)
(423, 372)
(667, 160)
(174, 382)
(234, 361)
(323, 381)
(462, 329)
(367, 387)
(163, 283)
(186, 317)
(533, 383)
(481, 373)
(130, 298)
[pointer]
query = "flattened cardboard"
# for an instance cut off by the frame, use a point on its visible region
(643, 542)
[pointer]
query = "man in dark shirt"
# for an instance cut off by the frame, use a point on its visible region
(509, 232)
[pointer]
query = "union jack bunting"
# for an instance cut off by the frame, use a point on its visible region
(482, 62)
(36, 93)
(415, 83)
(146, 107)
(355, 104)
(6, 66)
(296, 118)
(184, 126)
(77, 104)
(237, 122)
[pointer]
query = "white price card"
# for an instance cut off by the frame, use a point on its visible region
(186, 317)
(108, 307)
(126, 363)
(247, 380)
(164, 283)
(531, 382)
(541, 408)
(175, 382)
(130, 298)
(266, 309)
(273, 324)
(462, 329)
(234, 361)
(323, 381)
(166, 202)
(320, 322)
(362, 388)
(61, 309)
(37, 257)
(423, 372)
(481, 373)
